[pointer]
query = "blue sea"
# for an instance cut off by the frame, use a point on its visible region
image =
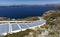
(24, 11)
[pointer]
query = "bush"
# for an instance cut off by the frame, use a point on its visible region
(20, 34)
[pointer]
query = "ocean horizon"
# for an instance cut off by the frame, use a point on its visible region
(24, 11)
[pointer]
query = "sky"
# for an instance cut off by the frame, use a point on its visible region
(29, 2)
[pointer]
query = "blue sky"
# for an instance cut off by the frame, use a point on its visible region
(29, 2)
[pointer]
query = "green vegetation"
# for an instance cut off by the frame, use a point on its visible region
(29, 19)
(20, 34)
(51, 15)
(52, 32)
(39, 30)
(19, 19)
(52, 18)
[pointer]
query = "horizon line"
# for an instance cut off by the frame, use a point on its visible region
(30, 4)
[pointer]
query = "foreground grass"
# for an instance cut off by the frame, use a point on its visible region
(20, 34)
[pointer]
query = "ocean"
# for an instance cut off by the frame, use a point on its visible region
(24, 11)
